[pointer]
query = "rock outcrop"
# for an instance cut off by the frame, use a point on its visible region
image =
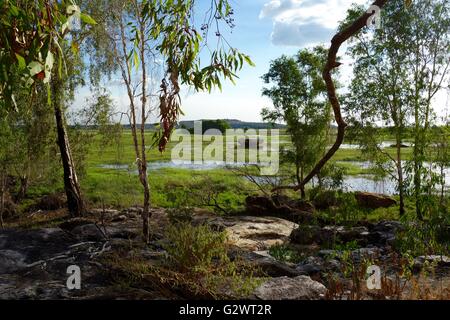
(297, 211)
(373, 200)
(312, 234)
(284, 288)
(249, 232)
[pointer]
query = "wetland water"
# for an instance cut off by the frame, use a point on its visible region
(366, 182)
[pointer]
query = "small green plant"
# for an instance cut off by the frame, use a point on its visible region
(284, 253)
(179, 215)
(196, 248)
(348, 246)
(349, 212)
(421, 238)
(200, 254)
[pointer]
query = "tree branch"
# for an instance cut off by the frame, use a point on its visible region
(336, 43)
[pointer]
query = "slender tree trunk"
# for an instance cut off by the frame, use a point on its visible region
(146, 211)
(138, 144)
(398, 121)
(400, 175)
(417, 163)
(299, 176)
(23, 189)
(302, 189)
(74, 200)
(442, 184)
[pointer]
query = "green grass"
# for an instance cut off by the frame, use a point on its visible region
(169, 187)
(121, 188)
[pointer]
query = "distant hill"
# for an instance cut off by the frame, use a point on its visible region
(237, 124)
(234, 124)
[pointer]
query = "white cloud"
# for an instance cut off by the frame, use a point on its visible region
(305, 22)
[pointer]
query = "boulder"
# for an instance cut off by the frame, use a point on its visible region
(280, 199)
(259, 205)
(88, 232)
(105, 214)
(320, 265)
(365, 253)
(302, 205)
(261, 261)
(258, 233)
(121, 233)
(249, 232)
(119, 218)
(311, 266)
(402, 145)
(70, 224)
(35, 244)
(11, 261)
(10, 208)
(384, 233)
(327, 253)
(284, 288)
(52, 201)
(373, 200)
(433, 260)
(280, 206)
(310, 234)
(359, 234)
(251, 143)
(33, 263)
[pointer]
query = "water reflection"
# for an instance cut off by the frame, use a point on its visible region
(366, 183)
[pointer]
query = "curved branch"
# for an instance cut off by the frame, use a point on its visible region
(336, 43)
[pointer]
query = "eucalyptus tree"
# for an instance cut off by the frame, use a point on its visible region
(399, 68)
(31, 33)
(298, 97)
(7, 158)
(428, 62)
(441, 158)
(34, 131)
(344, 34)
(33, 36)
(155, 46)
(378, 90)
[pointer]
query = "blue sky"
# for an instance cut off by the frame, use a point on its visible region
(265, 29)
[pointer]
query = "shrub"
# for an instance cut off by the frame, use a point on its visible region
(426, 237)
(180, 215)
(284, 253)
(201, 255)
(195, 248)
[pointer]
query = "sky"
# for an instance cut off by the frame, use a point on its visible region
(265, 30)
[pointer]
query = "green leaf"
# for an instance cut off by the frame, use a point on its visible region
(249, 60)
(87, 19)
(136, 59)
(21, 60)
(14, 10)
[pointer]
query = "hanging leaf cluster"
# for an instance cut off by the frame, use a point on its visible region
(30, 37)
(180, 42)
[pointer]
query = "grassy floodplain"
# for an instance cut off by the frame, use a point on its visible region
(170, 186)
